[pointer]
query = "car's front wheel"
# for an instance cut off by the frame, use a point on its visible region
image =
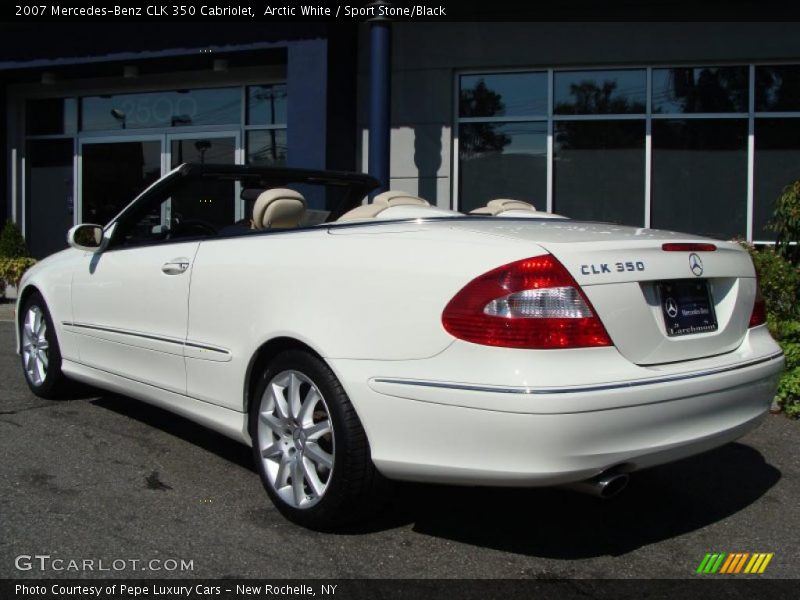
(309, 445)
(40, 353)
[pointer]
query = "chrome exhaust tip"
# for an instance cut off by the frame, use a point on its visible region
(605, 485)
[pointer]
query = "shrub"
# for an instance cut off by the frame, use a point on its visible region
(12, 244)
(780, 285)
(12, 269)
(788, 395)
(779, 282)
(786, 223)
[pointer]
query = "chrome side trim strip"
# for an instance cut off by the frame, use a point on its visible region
(147, 336)
(575, 390)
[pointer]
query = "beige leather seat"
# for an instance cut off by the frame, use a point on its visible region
(501, 205)
(278, 208)
(380, 203)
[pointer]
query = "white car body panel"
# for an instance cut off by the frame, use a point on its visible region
(368, 298)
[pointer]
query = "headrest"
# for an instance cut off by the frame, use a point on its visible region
(501, 205)
(398, 198)
(279, 208)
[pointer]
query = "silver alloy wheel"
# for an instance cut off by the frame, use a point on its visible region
(295, 439)
(35, 348)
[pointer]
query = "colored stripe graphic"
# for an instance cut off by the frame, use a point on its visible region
(727, 564)
(734, 562)
(766, 562)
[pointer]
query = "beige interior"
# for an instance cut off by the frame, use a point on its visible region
(279, 208)
(380, 203)
(501, 205)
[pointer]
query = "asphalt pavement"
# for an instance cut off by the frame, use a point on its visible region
(106, 478)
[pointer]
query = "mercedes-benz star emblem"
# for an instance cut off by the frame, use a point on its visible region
(671, 307)
(695, 264)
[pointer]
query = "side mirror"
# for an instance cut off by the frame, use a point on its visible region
(86, 237)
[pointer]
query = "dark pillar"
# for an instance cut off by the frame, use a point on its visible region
(380, 68)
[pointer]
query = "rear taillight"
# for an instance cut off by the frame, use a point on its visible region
(531, 303)
(759, 314)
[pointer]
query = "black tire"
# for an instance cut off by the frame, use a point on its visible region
(54, 385)
(355, 490)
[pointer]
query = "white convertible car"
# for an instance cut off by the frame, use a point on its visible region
(399, 341)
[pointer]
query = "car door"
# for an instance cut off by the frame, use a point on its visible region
(130, 301)
(130, 311)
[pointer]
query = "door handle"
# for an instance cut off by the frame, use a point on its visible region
(176, 266)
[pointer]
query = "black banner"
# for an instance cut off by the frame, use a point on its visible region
(402, 589)
(398, 10)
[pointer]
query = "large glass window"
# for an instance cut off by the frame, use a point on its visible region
(503, 95)
(266, 104)
(777, 88)
(605, 150)
(498, 158)
(502, 160)
(203, 204)
(699, 180)
(600, 92)
(777, 164)
(700, 90)
(266, 147)
(599, 170)
(219, 106)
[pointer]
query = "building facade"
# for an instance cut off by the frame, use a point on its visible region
(686, 126)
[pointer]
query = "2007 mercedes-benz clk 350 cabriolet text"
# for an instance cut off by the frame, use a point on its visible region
(396, 340)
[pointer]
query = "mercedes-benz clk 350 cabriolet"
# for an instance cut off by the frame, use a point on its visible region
(395, 340)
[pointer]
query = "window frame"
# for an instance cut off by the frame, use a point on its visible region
(648, 117)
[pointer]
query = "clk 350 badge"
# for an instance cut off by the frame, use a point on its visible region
(617, 267)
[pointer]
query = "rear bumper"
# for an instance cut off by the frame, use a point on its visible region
(467, 433)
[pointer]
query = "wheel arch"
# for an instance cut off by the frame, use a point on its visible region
(263, 356)
(28, 291)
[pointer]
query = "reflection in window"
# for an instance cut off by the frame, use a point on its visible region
(778, 88)
(600, 92)
(599, 170)
(699, 180)
(502, 160)
(113, 174)
(777, 164)
(266, 147)
(51, 116)
(266, 104)
(503, 95)
(219, 106)
(202, 203)
(700, 90)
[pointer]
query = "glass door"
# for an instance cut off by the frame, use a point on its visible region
(205, 202)
(112, 172)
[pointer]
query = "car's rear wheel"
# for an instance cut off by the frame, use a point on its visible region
(309, 445)
(40, 353)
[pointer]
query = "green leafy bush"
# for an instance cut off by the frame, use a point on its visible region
(780, 285)
(12, 244)
(12, 269)
(786, 223)
(779, 282)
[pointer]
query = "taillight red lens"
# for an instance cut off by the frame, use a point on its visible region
(687, 247)
(531, 303)
(759, 314)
